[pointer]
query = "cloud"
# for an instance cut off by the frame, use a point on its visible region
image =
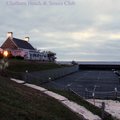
(87, 30)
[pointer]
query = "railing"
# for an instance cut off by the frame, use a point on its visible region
(49, 75)
(40, 77)
(98, 94)
(17, 75)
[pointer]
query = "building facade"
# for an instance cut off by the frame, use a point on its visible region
(22, 48)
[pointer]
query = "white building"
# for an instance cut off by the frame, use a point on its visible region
(22, 48)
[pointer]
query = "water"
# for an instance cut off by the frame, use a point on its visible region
(91, 62)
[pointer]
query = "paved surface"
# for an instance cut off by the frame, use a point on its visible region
(85, 82)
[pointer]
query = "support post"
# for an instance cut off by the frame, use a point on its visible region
(103, 110)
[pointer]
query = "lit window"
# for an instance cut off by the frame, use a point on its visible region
(5, 53)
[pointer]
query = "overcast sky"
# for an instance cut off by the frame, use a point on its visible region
(84, 30)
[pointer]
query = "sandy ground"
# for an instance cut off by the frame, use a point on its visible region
(112, 107)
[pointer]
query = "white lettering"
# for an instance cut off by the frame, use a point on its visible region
(16, 3)
(68, 3)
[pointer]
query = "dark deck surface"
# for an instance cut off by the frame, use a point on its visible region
(102, 82)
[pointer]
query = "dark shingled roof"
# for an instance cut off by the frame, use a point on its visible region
(22, 44)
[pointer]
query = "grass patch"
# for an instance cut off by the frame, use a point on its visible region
(17, 68)
(18, 102)
(22, 66)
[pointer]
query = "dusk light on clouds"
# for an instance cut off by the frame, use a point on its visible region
(83, 30)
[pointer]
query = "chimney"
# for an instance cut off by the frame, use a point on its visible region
(26, 39)
(10, 35)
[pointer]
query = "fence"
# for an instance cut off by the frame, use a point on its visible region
(17, 75)
(103, 95)
(115, 95)
(49, 75)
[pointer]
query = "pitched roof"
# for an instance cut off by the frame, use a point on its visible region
(22, 44)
